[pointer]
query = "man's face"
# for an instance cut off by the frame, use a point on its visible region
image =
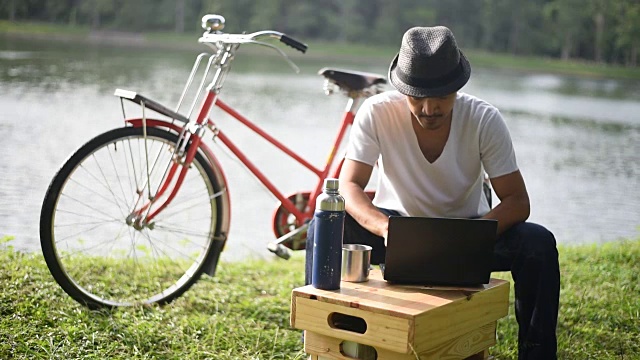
(432, 112)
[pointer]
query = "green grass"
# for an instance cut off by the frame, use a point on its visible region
(356, 53)
(599, 304)
(243, 312)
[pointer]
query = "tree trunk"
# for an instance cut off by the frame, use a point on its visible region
(12, 10)
(566, 47)
(633, 59)
(95, 16)
(598, 19)
(514, 36)
(179, 16)
(343, 13)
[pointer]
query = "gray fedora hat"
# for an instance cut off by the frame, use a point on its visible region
(429, 63)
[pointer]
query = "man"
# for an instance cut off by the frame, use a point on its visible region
(432, 145)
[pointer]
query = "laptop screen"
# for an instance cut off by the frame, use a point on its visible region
(442, 251)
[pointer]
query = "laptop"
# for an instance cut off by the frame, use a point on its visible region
(439, 251)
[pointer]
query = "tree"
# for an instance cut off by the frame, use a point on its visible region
(599, 23)
(95, 10)
(628, 30)
(497, 19)
(19, 9)
(270, 16)
(352, 22)
(600, 30)
(387, 24)
(12, 10)
(310, 19)
(58, 11)
(566, 18)
(180, 10)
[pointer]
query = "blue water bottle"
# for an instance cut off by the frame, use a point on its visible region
(327, 239)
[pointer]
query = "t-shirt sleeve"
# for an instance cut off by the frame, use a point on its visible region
(496, 148)
(363, 142)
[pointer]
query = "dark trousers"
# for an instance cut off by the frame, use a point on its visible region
(527, 250)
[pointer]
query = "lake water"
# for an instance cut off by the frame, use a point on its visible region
(577, 140)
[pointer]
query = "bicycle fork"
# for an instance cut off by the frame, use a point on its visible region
(142, 215)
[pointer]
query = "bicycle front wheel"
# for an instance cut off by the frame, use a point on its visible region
(94, 250)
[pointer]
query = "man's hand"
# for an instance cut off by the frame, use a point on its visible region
(354, 176)
(514, 201)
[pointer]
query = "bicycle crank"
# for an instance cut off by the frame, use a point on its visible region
(277, 246)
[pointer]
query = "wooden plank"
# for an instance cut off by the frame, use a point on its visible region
(383, 331)
(439, 325)
(378, 296)
(327, 347)
(466, 346)
(469, 347)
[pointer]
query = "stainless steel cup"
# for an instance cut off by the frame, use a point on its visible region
(356, 261)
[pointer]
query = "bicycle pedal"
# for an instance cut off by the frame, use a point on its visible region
(279, 250)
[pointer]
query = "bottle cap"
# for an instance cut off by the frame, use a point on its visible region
(331, 184)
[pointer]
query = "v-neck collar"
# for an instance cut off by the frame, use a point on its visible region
(416, 143)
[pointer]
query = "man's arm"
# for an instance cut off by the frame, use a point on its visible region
(514, 201)
(354, 176)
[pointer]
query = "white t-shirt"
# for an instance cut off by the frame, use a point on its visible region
(451, 186)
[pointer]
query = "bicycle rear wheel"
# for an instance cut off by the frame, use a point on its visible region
(93, 249)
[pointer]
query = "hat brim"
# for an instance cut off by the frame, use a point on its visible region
(449, 88)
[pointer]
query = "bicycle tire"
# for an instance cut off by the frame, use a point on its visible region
(98, 258)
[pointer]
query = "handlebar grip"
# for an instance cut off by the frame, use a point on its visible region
(293, 43)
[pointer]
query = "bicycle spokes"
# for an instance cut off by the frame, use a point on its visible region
(95, 247)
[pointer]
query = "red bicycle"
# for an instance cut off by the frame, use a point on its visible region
(139, 213)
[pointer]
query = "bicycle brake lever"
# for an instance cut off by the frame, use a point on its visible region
(282, 53)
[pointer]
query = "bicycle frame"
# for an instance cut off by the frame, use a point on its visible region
(211, 99)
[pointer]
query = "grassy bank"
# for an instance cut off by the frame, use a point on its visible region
(333, 50)
(243, 313)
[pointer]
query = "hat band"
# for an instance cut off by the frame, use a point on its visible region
(430, 83)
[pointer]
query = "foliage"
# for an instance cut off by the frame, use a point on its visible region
(597, 30)
(243, 312)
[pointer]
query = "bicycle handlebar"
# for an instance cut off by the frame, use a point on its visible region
(209, 37)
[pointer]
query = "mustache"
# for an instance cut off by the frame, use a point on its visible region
(434, 116)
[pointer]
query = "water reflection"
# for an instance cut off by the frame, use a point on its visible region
(577, 140)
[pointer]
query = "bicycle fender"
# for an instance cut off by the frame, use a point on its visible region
(155, 123)
(216, 167)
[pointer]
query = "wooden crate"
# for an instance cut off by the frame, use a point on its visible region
(400, 319)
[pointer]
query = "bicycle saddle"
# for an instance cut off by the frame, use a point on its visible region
(350, 80)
